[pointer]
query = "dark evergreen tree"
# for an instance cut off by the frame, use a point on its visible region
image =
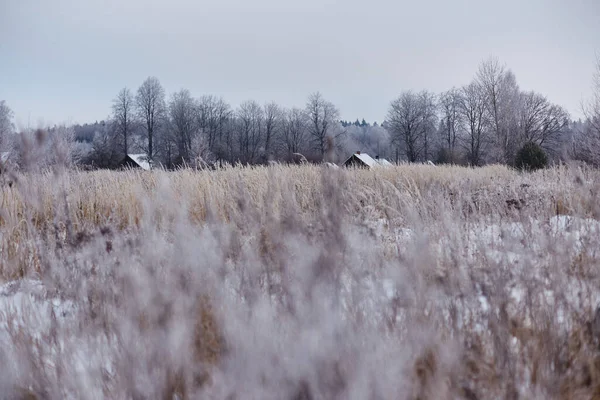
(531, 157)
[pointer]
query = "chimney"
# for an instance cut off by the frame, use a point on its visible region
(358, 152)
(377, 157)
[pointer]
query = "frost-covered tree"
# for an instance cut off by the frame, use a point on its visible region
(6, 126)
(541, 122)
(379, 139)
(404, 118)
(411, 120)
(450, 121)
(273, 120)
(294, 132)
(150, 103)
(124, 117)
(323, 127)
(373, 140)
(106, 151)
(250, 131)
(502, 97)
(428, 122)
(473, 116)
(214, 117)
(47, 148)
(589, 144)
(183, 123)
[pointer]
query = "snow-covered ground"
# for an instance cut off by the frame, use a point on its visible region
(30, 305)
(520, 247)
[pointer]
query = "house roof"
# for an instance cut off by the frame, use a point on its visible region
(383, 162)
(370, 161)
(141, 160)
(364, 158)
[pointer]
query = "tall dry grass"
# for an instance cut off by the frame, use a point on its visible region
(301, 282)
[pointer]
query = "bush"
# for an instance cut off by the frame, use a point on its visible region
(531, 157)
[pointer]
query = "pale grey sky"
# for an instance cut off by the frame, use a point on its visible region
(65, 60)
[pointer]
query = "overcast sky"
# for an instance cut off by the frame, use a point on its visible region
(64, 61)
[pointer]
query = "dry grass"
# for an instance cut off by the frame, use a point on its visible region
(268, 283)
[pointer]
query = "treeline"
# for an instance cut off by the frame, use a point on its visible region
(485, 121)
(184, 130)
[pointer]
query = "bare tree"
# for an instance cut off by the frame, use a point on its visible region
(6, 126)
(250, 130)
(323, 116)
(184, 123)
(150, 102)
(541, 122)
(428, 121)
(451, 120)
(214, 116)
(123, 114)
(207, 117)
(502, 94)
(406, 117)
(295, 127)
(473, 115)
(272, 114)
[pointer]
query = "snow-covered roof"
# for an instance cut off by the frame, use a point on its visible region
(383, 162)
(370, 161)
(365, 158)
(141, 160)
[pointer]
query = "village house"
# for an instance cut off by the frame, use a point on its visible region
(135, 161)
(363, 160)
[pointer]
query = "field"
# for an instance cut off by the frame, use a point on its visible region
(301, 282)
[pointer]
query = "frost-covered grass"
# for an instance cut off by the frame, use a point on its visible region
(301, 282)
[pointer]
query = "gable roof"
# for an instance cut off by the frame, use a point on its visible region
(141, 160)
(364, 158)
(383, 162)
(369, 161)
